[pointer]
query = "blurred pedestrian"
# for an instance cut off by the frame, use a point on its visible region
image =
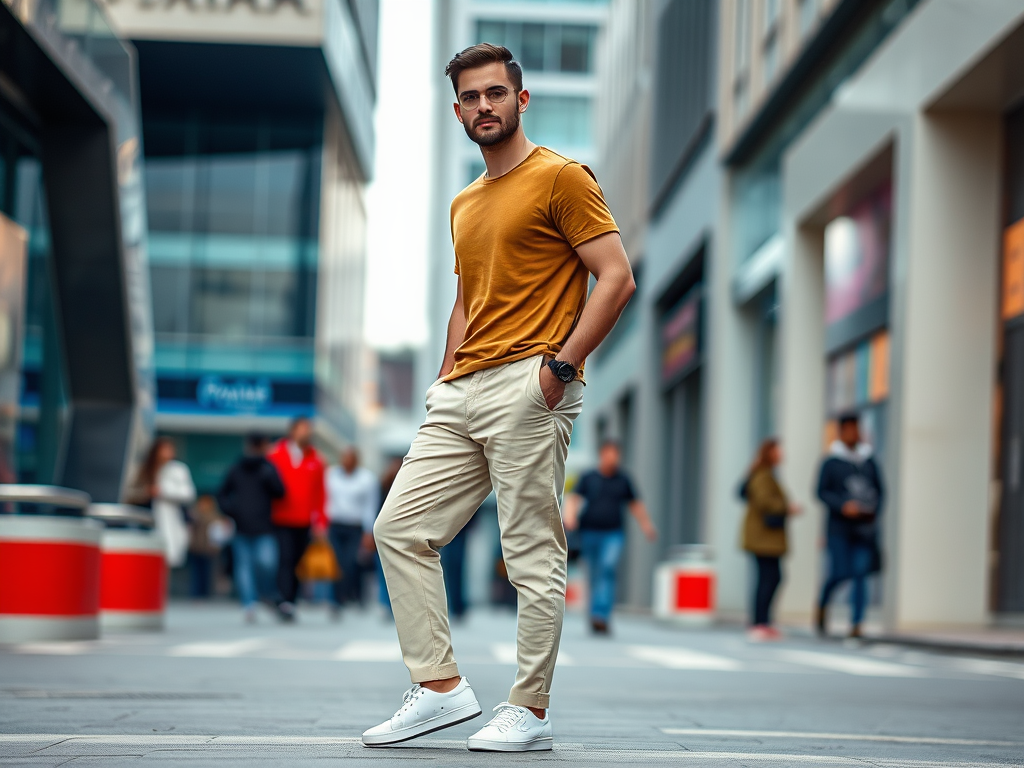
(246, 496)
(386, 481)
(764, 534)
(850, 485)
(596, 507)
(300, 512)
(165, 485)
(453, 561)
(353, 501)
(209, 531)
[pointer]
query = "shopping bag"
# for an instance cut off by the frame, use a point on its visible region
(318, 563)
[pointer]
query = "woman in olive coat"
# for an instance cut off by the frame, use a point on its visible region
(764, 533)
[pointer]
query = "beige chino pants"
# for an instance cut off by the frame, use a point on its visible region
(488, 429)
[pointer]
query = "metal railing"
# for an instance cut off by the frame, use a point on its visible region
(51, 495)
(117, 515)
(111, 515)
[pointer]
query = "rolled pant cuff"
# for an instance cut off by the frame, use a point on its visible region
(535, 700)
(426, 674)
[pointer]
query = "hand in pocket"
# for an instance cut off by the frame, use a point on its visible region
(551, 387)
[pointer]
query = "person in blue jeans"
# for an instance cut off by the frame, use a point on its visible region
(850, 485)
(597, 508)
(245, 496)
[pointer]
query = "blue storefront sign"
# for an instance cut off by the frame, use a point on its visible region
(234, 395)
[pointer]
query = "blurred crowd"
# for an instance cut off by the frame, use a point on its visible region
(285, 525)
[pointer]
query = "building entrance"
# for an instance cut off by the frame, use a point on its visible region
(1009, 592)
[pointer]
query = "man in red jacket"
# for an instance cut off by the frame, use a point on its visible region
(300, 511)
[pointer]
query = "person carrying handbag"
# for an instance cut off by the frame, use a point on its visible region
(764, 534)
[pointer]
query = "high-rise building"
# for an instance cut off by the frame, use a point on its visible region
(76, 381)
(556, 42)
(648, 382)
(258, 134)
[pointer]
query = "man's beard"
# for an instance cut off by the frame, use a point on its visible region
(506, 128)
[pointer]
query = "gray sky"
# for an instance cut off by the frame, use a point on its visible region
(398, 199)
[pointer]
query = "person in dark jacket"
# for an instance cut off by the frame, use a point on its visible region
(764, 534)
(245, 496)
(850, 485)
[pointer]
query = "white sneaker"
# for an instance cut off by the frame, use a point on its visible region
(425, 711)
(513, 729)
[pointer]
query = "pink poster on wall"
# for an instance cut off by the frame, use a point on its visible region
(857, 256)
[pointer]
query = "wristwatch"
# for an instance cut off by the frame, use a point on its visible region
(563, 371)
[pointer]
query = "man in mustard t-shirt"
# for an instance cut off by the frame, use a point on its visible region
(528, 234)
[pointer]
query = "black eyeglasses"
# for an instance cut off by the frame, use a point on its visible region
(470, 100)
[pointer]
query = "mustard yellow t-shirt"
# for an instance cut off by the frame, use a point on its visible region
(523, 286)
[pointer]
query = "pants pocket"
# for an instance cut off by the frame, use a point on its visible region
(572, 394)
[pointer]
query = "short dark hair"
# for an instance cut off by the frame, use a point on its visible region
(481, 55)
(296, 420)
(255, 440)
(849, 418)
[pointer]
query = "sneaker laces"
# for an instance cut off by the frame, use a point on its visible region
(409, 698)
(508, 715)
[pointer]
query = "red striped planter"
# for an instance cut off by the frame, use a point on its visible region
(133, 580)
(49, 578)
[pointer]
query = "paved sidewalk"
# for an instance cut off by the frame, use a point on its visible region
(996, 641)
(211, 691)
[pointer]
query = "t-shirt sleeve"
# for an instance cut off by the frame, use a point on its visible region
(580, 487)
(451, 227)
(578, 206)
(630, 491)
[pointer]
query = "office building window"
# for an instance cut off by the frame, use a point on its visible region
(543, 47)
(684, 84)
(740, 98)
(771, 58)
(808, 15)
(771, 39)
(741, 55)
(234, 228)
(559, 122)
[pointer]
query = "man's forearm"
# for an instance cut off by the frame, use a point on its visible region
(456, 334)
(609, 297)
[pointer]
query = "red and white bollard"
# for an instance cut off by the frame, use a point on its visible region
(49, 578)
(133, 580)
(684, 590)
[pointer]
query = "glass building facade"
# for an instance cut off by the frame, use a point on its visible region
(76, 388)
(234, 220)
(256, 162)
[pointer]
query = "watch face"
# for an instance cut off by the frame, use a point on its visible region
(566, 372)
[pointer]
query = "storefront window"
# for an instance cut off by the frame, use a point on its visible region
(857, 247)
(41, 402)
(857, 269)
